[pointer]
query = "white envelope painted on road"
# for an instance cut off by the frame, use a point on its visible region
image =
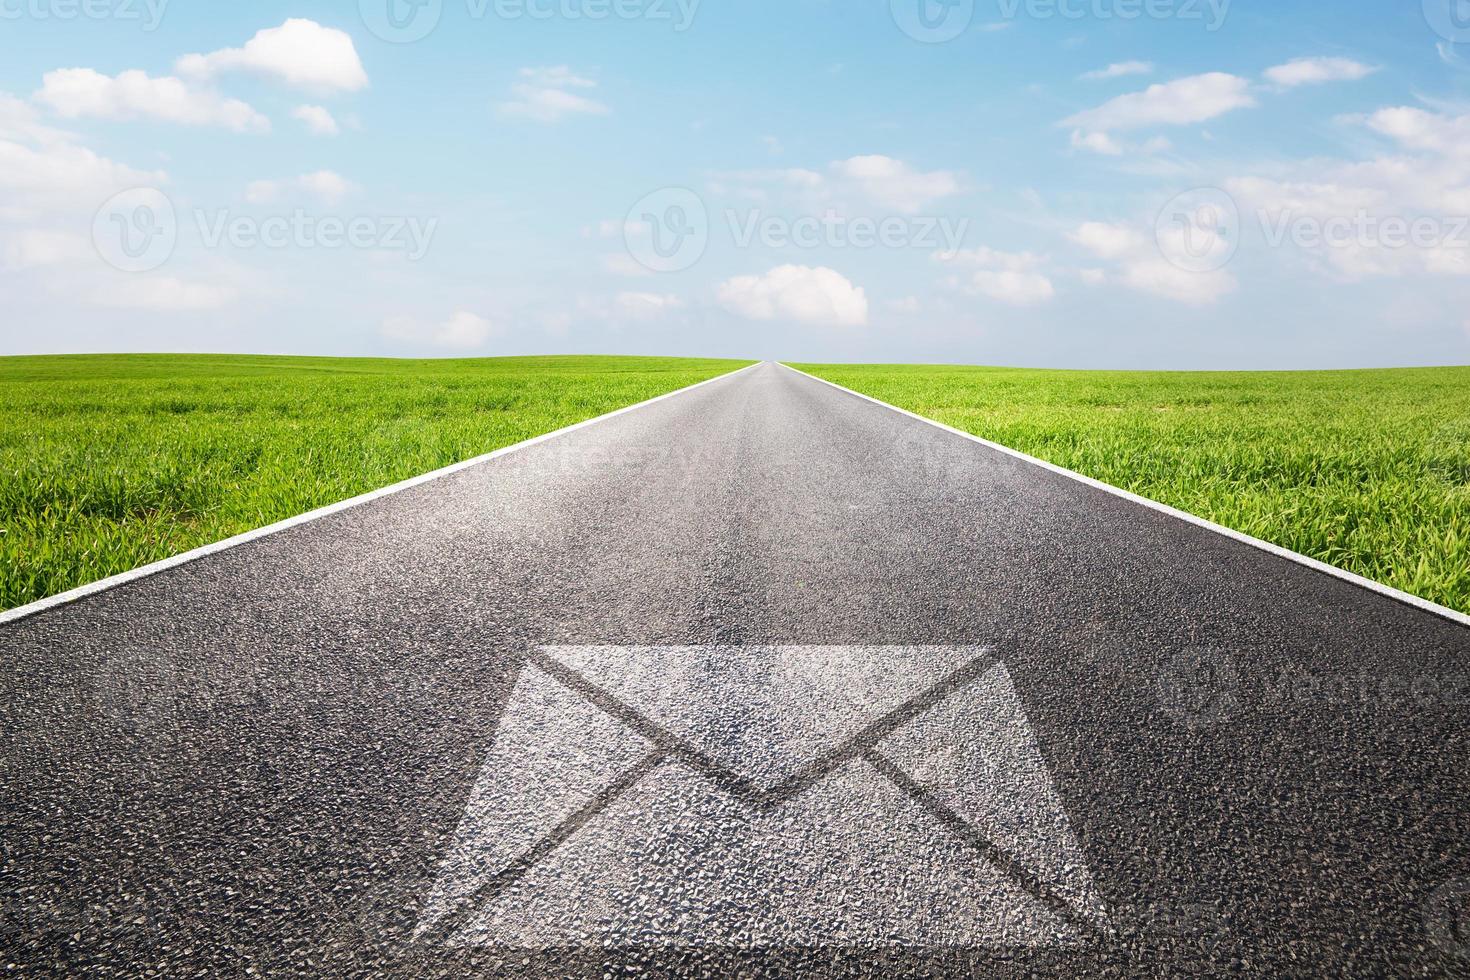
(763, 796)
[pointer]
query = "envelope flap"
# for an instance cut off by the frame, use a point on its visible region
(764, 712)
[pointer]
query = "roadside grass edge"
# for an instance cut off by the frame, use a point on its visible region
(1339, 573)
(153, 568)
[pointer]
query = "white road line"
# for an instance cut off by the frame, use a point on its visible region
(144, 571)
(1277, 550)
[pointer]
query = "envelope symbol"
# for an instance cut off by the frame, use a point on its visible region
(763, 797)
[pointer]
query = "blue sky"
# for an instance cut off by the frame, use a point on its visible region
(1083, 183)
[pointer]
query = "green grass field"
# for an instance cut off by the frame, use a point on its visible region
(1366, 470)
(110, 462)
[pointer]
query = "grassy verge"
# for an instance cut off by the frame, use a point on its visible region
(110, 462)
(1365, 470)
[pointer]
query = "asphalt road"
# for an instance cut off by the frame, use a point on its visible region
(759, 678)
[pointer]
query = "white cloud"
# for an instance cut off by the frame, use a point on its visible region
(301, 53)
(906, 304)
(50, 189)
(868, 181)
(51, 177)
(646, 306)
(1315, 71)
(1356, 211)
(607, 228)
(803, 294)
(32, 248)
(1420, 130)
(1120, 69)
(547, 95)
(1108, 241)
(1305, 198)
(757, 185)
(463, 331)
(1008, 277)
(263, 191)
(1177, 103)
(75, 93)
(19, 121)
(1106, 144)
(1144, 263)
(327, 186)
(623, 264)
(894, 184)
(44, 171)
(557, 76)
(1097, 143)
(163, 294)
(317, 119)
(628, 306)
(1159, 276)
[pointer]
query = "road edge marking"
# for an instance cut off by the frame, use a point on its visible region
(183, 558)
(1424, 605)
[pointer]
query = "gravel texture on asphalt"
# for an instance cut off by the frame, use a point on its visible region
(271, 758)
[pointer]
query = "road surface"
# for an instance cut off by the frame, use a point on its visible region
(763, 676)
